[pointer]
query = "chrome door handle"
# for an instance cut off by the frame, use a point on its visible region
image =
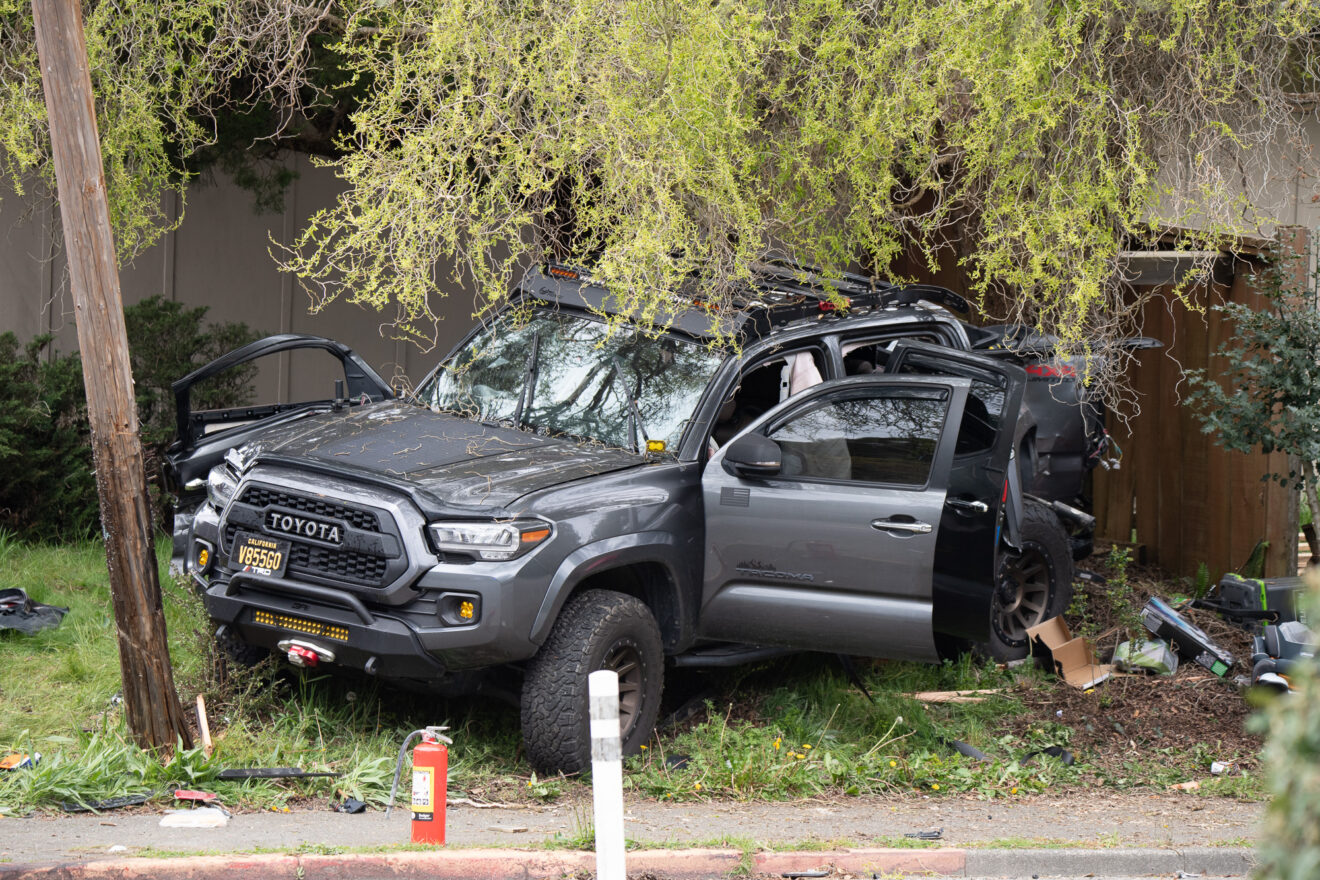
(968, 506)
(889, 525)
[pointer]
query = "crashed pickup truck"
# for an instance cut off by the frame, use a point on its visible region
(561, 495)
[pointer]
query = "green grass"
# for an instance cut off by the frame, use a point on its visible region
(793, 728)
(800, 728)
(57, 698)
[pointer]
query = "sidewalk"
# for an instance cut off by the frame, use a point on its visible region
(1131, 835)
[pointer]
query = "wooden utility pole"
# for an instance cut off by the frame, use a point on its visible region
(151, 703)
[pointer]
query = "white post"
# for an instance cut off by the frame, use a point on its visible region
(607, 774)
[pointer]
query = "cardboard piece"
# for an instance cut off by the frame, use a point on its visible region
(1072, 659)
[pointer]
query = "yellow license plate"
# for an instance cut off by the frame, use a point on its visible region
(260, 555)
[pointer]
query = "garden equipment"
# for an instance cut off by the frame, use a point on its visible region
(1246, 600)
(1190, 640)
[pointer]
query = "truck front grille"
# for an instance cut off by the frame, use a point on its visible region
(262, 496)
(367, 551)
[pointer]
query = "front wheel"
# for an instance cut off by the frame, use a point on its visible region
(599, 629)
(1031, 585)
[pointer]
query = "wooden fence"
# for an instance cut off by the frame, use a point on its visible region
(1178, 494)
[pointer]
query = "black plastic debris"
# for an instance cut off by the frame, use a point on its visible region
(1065, 757)
(967, 751)
(270, 773)
(114, 803)
(936, 834)
(19, 612)
(1278, 650)
(350, 805)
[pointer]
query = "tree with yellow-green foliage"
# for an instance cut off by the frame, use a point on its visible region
(658, 138)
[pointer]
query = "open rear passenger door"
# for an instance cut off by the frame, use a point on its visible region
(984, 491)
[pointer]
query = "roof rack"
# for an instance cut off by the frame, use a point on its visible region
(783, 291)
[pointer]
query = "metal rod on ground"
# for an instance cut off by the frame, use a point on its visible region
(607, 774)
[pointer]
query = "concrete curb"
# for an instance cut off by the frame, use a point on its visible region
(1205, 860)
(506, 864)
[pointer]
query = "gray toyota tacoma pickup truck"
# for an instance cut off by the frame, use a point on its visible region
(559, 496)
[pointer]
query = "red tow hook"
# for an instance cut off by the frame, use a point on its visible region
(307, 654)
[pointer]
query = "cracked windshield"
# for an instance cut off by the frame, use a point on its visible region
(569, 374)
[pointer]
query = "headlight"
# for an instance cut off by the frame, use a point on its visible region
(220, 486)
(489, 540)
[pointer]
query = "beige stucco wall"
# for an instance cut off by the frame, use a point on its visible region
(218, 257)
(1278, 183)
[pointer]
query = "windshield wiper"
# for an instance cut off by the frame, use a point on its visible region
(529, 381)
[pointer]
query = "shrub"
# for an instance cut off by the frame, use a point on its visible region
(49, 492)
(166, 341)
(1290, 846)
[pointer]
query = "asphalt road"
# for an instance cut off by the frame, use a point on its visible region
(1104, 821)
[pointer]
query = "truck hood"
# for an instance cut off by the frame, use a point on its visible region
(454, 461)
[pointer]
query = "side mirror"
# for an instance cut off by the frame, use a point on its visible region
(753, 455)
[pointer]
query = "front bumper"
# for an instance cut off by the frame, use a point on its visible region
(406, 638)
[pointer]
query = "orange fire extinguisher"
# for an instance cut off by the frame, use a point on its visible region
(430, 760)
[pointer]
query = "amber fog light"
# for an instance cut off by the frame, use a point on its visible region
(459, 609)
(203, 556)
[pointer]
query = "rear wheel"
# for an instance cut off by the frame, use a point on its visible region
(1032, 585)
(599, 629)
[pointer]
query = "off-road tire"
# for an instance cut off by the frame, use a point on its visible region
(1031, 585)
(240, 653)
(599, 629)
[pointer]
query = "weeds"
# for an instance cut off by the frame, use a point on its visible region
(814, 734)
(793, 728)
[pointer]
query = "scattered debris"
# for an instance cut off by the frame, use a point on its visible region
(1150, 655)
(468, 802)
(1277, 650)
(1190, 785)
(270, 773)
(19, 761)
(1220, 768)
(1244, 600)
(202, 817)
(937, 834)
(350, 805)
(954, 696)
(19, 612)
(201, 797)
(508, 829)
(794, 874)
(1065, 757)
(117, 848)
(966, 750)
(114, 803)
(850, 669)
(1190, 640)
(204, 726)
(1072, 659)
(1275, 681)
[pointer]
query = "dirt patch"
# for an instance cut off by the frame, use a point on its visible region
(1131, 717)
